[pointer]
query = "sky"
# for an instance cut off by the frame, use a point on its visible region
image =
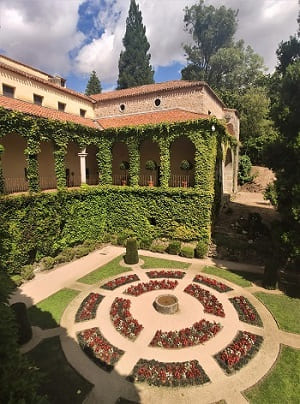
(74, 37)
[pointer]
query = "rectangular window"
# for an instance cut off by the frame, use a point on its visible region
(61, 106)
(38, 99)
(8, 91)
(82, 112)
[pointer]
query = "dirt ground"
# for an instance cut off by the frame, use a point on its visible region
(262, 177)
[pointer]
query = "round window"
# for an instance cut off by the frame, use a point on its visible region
(122, 107)
(157, 102)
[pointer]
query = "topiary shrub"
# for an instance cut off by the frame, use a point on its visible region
(47, 263)
(244, 174)
(174, 247)
(23, 324)
(131, 257)
(187, 251)
(201, 249)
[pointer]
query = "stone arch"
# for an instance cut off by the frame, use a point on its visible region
(92, 172)
(149, 150)
(119, 154)
(47, 178)
(182, 148)
(228, 172)
(14, 164)
(72, 164)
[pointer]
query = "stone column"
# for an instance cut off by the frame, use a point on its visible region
(82, 155)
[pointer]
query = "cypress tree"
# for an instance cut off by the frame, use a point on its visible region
(134, 63)
(93, 85)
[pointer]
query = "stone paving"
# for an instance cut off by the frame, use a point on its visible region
(110, 386)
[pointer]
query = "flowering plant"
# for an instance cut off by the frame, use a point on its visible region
(88, 307)
(199, 333)
(166, 274)
(169, 374)
(212, 283)
(140, 288)
(246, 311)
(122, 319)
(122, 280)
(98, 348)
(210, 303)
(239, 352)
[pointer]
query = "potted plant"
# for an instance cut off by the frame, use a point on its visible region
(124, 166)
(185, 165)
(151, 166)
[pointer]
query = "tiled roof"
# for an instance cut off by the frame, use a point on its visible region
(37, 110)
(46, 82)
(147, 89)
(23, 64)
(172, 115)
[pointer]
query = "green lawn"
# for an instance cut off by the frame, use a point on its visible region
(285, 309)
(239, 278)
(111, 269)
(48, 312)
(282, 385)
(60, 382)
(150, 262)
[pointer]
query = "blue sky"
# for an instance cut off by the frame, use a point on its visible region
(74, 37)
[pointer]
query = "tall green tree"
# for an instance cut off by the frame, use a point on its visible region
(134, 63)
(93, 85)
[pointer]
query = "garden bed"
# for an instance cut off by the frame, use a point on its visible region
(96, 347)
(120, 281)
(212, 283)
(88, 307)
(210, 302)
(246, 311)
(239, 352)
(170, 374)
(199, 333)
(140, 288)
(122, 319)
(165, 274)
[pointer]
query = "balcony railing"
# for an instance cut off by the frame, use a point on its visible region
(180, 181)
(120, 179)
(148, 180)
(12, 185)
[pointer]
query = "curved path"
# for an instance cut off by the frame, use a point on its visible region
(110, 386)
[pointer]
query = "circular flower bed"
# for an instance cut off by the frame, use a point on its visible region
(87, 309)
(246, 311)
(199, 333)
(239, 352)
(210, 302)
(169, 374)
(165, 274)
(103, 353)
(122, 280)
(140, 288)
(122, 319)
(212, 283)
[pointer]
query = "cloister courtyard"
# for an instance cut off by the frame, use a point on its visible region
(98, 337)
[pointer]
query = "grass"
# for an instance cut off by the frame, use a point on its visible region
(282, 384)
(60, 382)
(239, 278)
(48, 312)
(110, 269)
(285, 309)
(150, 262)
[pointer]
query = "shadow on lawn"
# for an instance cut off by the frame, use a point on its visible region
(60, 382)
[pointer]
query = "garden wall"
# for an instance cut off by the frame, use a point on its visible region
(33, 226)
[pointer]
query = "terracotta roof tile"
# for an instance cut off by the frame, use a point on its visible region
(149, 88)
(172, 115)
(46, 82)
(37, 110)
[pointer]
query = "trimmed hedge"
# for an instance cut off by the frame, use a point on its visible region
(44, 224)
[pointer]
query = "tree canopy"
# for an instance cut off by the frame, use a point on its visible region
(134, 63)
(93, 85)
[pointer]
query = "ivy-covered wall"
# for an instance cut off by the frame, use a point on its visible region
(39, 225)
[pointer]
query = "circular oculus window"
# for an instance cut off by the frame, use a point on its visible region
(157, 102)
(122, 107)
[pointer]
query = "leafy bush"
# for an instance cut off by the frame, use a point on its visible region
(81, 251)
(270, 194)
(244, 174)
(201, 249)
(124, 235)
(186, 165)
(131, 256)
(47, 263)
(27, 272)
(145, 243)
(65, 256)
(187, 251)
(24, 326)
(158, 246)
(150, 165)
(174, 247)
(90, 244)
